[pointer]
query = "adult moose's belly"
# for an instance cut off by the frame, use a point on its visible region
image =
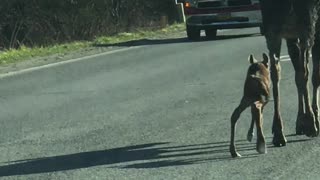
(290, 28)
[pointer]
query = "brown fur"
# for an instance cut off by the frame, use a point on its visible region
(298, 22)
(256, 94)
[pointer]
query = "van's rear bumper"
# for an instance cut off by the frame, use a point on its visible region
(226, 18)
(226, 25)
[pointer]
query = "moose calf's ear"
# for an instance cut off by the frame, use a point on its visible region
(252, 59)
(265, 59)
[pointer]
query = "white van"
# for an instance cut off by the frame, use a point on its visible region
(211, 15)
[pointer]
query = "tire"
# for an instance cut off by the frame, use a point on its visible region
(211, 33)
(193, 33)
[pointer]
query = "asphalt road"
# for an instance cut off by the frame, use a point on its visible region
(158, 110)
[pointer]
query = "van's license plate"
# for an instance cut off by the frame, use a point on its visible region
(223, 17)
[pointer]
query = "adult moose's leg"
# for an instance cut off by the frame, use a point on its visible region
(310, 128)
(306, 29)
(274, 46)
(316, 78)
(299, 55)
(294, 53)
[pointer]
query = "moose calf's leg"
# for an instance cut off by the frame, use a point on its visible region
(234, 118)
(250, 131)
(256, 110)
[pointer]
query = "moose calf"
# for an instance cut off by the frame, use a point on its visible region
(256, 94)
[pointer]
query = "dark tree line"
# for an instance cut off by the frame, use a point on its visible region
(44, 22)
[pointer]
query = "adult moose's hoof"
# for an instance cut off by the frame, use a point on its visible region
(299, 125)
(261, 147)
(279, 140)
(310, 127)
(316, 117)
(317, 125)
(249, 136)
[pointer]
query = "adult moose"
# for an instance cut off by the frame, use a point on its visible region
(297, 21)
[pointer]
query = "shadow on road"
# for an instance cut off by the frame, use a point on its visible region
(153, 155)
(142, 42)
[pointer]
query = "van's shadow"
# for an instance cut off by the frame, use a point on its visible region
(152, 155)
(142, 42)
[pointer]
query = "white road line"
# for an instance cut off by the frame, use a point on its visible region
(287, 58)
(64, 62)
(284, 56)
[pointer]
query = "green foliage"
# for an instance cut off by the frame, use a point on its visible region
(24, 53)
(45, 22)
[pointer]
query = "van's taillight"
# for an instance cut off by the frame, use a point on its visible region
(187, 5)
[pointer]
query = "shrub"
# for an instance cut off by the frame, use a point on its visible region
(46, 22)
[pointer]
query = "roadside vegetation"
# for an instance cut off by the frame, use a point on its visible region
(44, 27)
(14, 55)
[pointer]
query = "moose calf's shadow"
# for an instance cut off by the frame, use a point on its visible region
(153, 155)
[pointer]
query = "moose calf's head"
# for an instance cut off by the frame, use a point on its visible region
(257, 83)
